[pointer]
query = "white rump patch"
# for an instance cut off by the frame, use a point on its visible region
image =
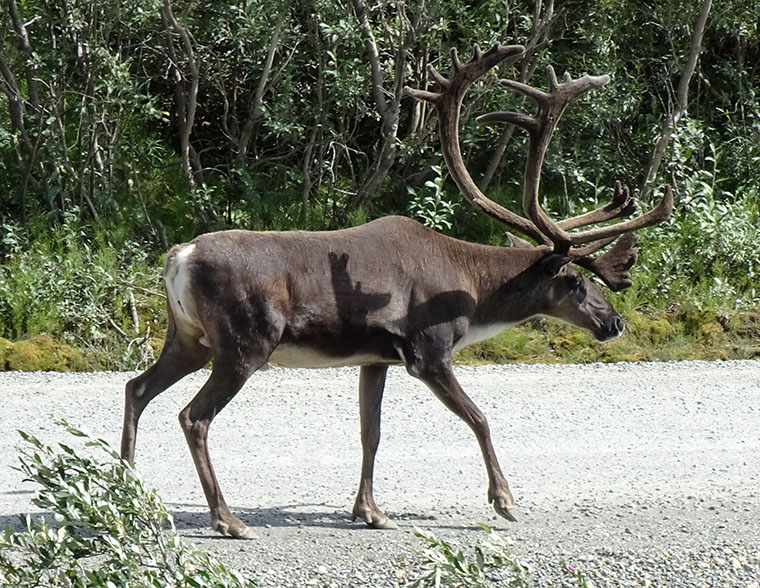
(480, 333)
(180, 295)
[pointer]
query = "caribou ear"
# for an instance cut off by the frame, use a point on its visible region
(553, 263)
(515, 241)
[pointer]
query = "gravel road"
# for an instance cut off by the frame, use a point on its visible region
(636, 474)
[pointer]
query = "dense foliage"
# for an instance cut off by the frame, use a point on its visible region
(126, 127)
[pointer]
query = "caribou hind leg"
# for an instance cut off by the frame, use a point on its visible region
(226, 380)
(371, 385)
(180, 356)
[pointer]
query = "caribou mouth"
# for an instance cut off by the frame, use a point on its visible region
(610, 329)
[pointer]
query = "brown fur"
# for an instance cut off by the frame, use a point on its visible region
(388, 292)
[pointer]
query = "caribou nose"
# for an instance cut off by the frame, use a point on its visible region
(616, 326)
(620, 323)
(611, 328)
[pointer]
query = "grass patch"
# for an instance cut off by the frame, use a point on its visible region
(40, 353)
(681, 334)
(687, 333)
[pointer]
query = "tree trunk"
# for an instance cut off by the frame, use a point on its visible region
(254, 107)
(306, 171)
(682, 102)
(389, 111)
(31, 72)
(186, 94)
(32, 170)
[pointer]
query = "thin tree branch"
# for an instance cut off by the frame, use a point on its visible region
(254, 108)
(682, 101)
(373, 55)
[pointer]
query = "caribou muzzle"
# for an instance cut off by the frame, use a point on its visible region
(610, 328)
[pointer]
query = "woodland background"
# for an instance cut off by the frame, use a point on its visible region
(126, 127)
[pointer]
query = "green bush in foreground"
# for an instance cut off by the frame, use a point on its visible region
(445, 566)
(112, 531)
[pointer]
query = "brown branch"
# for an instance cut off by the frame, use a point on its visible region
(373, 55)
(186, 93)
(527, 65)
(26, 47)
(189, 95)
(254, 107)
(682, 101)
(31, 169)
(388, 109)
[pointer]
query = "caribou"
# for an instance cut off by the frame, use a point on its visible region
(390, 292)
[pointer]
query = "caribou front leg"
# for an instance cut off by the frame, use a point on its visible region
(371, 385)
(440, 378)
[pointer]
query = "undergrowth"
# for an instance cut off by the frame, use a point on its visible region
(79, 296)
(492, 563)
(678, 334)
(78, 299)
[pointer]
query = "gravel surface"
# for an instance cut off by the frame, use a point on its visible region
(635, 474)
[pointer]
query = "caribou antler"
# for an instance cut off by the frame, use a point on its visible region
(614, 266)
(448, 104)
(540, 128)
(621, 205)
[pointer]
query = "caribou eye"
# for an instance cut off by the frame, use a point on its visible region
(578, 287)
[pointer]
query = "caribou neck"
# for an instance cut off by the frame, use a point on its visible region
(504, 282)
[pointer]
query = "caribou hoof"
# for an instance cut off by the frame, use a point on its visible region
(504, 510)
(383, 523)
(235, 528)
(376, 520)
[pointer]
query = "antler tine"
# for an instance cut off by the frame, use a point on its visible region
(592, 248)
(455, 63)
(553, 78)
(525, 121)
(563, 93)
(534, 94)
(614, 267)
(621, 205)
(656, 215)
(439, 79)
(448, 104)
(423, 95)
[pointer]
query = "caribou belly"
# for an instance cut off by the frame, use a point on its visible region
(302, 356)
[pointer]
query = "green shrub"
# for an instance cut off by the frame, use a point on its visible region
(40, 353)
(86, 292)
(493, 564)
(111, 531)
